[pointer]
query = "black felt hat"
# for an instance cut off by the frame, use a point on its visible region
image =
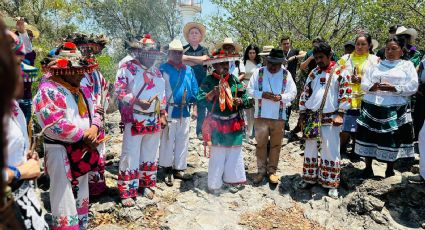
(276, 56)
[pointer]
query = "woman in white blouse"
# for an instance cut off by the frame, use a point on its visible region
(251, 61)
(385, 130)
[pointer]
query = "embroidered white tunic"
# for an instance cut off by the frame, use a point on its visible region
(273, 83)
(314, 89)
(131, 77)
(55, 104)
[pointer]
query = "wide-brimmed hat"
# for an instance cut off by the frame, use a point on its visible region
(220, 55)
(145, 48)
(175, 45)
(276, 56)
(68, 61)
(192, 25)
(229, 41)
(409, 31)
(93, 44)
(266, 50)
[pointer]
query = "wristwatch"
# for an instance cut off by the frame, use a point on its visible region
(16, 172)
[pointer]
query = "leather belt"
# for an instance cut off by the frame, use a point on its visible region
(149, 114)
(225, 117)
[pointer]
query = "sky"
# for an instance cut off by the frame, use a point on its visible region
(208, 8)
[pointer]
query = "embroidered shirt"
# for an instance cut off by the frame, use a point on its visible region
(339, 94)
(131, 77)
(272, 83)
(96, 84)
(55, 104)
(361, 63)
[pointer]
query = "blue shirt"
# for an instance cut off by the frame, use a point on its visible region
(177, 81)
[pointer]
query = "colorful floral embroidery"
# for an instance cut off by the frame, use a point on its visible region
(128, 182)
(50, 107)
(65, 222)
(152, 126)
(326, 173)
(148, 174)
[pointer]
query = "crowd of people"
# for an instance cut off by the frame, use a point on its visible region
(362, 98)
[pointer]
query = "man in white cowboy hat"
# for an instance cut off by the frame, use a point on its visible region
(72, 127)
(410, 35)
(273, 89)
(237, 67)
(140, 88)
(181, 89)
(194, 55)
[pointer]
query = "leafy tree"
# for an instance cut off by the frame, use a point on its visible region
(130, 18)
(264, 22)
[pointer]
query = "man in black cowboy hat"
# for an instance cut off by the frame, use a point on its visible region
(273, 89)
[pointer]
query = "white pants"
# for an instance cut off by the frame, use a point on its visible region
(325, 170)
(174, 144)
(421, 140)
(225, 165)
(137, 162)
(68, 212)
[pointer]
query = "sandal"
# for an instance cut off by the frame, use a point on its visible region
(128, 202)
(149, 193)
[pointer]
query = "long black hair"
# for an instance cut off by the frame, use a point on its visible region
(322, 47)
(368, 39)
(246, 54)
(400, 41)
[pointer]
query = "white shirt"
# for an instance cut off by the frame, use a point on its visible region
(17, 137)
(250, 67)
(314, 89)
(402, 74)
(271, 83)
(129, 82)
(27, 42)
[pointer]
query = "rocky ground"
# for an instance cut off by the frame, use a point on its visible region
(377, 203)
